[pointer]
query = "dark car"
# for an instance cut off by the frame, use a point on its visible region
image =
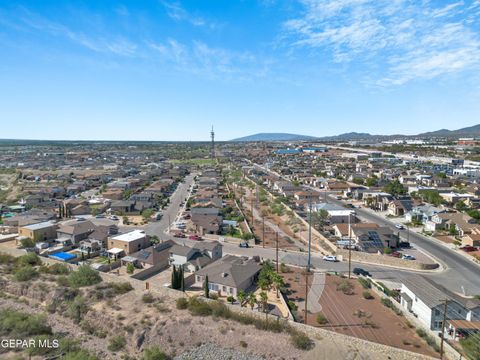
(360, 271)
(244, 245)
(468, 248)
(179, 235)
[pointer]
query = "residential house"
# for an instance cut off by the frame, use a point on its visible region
(426, 300)
(128, 243)
(38, 232)
(400, 207)
(336, 214)
(423, 213)
(195, 257)
(156, 256)
(206, 220)
(462, 223)
(375, 239)
(229, 275)
(75, 230)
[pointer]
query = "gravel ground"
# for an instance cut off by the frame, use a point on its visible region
(213, 352)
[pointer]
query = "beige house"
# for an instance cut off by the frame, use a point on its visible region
(128, 243)
(39, 232)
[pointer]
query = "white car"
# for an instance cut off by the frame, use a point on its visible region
(408, 257)
(330, 258)
(400, 226)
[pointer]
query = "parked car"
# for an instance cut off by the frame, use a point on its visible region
(468, 248)
(408, 257)
(360, 271)
(244, 244)
(179, 235)
(195, 237)
(330, 258)
(399, 226)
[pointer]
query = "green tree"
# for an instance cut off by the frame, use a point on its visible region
(241, 297)
(27, 243)
(395, 188)
(130, 268)
(461, 206)
(264, 300)
(371, 181)
(252, 300)
(206, 288)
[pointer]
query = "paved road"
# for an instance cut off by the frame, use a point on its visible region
(169, 214)
(460, 271)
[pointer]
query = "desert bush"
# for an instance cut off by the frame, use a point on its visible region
(346, 287)
(25, 273)
(301, 341)
(199, 307)
(17, 324)
(148, 298)
(367, 295)
(421, 333)
(121, 287)
(322, 319)
(182, 303)
(55, 269)
(154, 353)
(366, 283)
(77, 309)
(84, 276)
(29, 259)
(116, 343)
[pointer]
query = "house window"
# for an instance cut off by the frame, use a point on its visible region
(437, 312)
(230, 290)
(224, 288)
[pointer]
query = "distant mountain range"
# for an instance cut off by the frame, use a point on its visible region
(275, 137)
(471, 131)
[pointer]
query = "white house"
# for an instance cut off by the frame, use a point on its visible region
(426, 300)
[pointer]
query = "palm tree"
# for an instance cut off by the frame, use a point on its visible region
(252, 300)
(277, 282)
(264, 300)
(241, 297)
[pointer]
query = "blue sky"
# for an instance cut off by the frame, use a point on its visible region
(168, 70)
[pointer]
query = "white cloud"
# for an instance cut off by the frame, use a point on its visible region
(178, 13)
(408, 40)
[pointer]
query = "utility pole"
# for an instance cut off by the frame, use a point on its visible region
(276, 240)
(349, 247)
(263, 231)
(306, 295)
(443, 328)
(309, 230)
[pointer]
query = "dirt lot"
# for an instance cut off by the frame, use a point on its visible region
(353, 315)
(367, 319)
